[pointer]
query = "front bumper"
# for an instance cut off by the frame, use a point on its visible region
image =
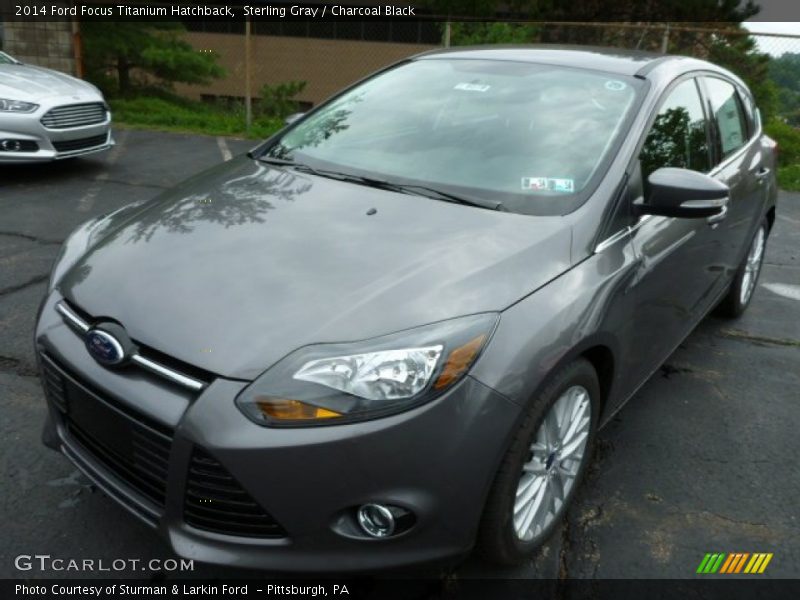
(53, 144)
(437, 460)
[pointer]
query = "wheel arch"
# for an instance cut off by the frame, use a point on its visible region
(770, 217)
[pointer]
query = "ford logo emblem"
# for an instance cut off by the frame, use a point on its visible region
(104, 347)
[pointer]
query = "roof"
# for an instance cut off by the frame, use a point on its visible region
(610, 60)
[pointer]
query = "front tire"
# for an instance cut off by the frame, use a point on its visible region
(744, 283)
(543, 466)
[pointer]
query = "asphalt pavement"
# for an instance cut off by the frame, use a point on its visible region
(702, 459)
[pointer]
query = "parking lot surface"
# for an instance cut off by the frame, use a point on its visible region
(702, 459)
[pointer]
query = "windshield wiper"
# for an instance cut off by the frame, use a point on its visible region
(273, 160)
(403, 188)
(429, 192)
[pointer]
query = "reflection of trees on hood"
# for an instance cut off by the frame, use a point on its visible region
(79, 273)
(238, 201)
(674, 141)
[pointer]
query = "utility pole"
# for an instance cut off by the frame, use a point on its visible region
(77, 47)
(665, 40)
(248, 91)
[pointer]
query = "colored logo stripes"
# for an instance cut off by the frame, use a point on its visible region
(735, 562)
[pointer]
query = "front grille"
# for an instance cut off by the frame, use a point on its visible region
(173, 364)
(130, 445)
(216, 502)
(82, 144)
(75, 115)
(54, 386)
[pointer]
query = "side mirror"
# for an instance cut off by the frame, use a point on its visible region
(292, 118)
(683, 193)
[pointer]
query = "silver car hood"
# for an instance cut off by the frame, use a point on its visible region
(31, 84)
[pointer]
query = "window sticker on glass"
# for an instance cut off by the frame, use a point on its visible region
(613, 85)
(472, 87)
(548, 184)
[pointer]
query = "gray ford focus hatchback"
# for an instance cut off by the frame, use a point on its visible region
(389, 333)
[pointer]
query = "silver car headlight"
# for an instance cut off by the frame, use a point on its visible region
(335, 383)
(17, 106)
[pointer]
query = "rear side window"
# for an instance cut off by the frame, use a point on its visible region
(751, 113)
(678, 136)
(728, 115)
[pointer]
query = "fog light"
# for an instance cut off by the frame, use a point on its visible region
(376, 520)
(18, 146)
(11, 145)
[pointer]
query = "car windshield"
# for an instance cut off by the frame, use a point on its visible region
(530, 136)
(5, 59)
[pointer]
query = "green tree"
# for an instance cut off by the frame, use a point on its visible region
(476, 33)
(784, 72)
(278, 100)
(115, 51)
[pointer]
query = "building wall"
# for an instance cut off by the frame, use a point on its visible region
(326, 65)
(43, 43)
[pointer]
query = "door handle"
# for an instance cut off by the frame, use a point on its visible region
(713, 220)
(762, 174)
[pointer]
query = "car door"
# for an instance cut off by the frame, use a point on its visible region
(678, 273)
(740, 163)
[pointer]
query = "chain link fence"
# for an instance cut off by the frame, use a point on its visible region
(327, 56)
(318, 58)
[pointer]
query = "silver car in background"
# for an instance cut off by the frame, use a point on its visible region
(46, 115)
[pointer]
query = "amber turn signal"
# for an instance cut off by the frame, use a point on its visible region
(281, 409)
(459, 361)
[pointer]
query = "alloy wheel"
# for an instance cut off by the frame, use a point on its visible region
(553, 464)
(752, 266)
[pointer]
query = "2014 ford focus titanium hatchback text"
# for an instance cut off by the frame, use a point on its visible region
(389, 333)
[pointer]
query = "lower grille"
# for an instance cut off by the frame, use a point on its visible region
(130, 445)
(82, 144)
(145, 470)
(54, 388)
(216, 502)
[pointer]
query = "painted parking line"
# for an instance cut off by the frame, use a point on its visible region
(786, 290)
(788, 219)
(86, 203)
(224, 150)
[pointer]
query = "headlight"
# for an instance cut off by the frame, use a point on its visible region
(335, 383)
(17, 106)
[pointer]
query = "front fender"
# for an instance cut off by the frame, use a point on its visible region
(587, 307)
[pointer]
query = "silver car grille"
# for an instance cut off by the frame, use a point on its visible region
(75, 115)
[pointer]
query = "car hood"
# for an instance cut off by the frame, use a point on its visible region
(31, 84)
(239, 266)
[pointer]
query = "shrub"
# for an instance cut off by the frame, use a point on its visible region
(180, 114)
(277, 101)
(788, 139)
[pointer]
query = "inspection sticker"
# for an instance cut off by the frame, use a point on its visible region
(472, 87)
(551, 184)
(534, 183)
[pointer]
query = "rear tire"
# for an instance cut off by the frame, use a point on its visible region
(744, 283)
(537, 479)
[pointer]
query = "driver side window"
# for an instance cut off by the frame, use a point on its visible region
(678, 136)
